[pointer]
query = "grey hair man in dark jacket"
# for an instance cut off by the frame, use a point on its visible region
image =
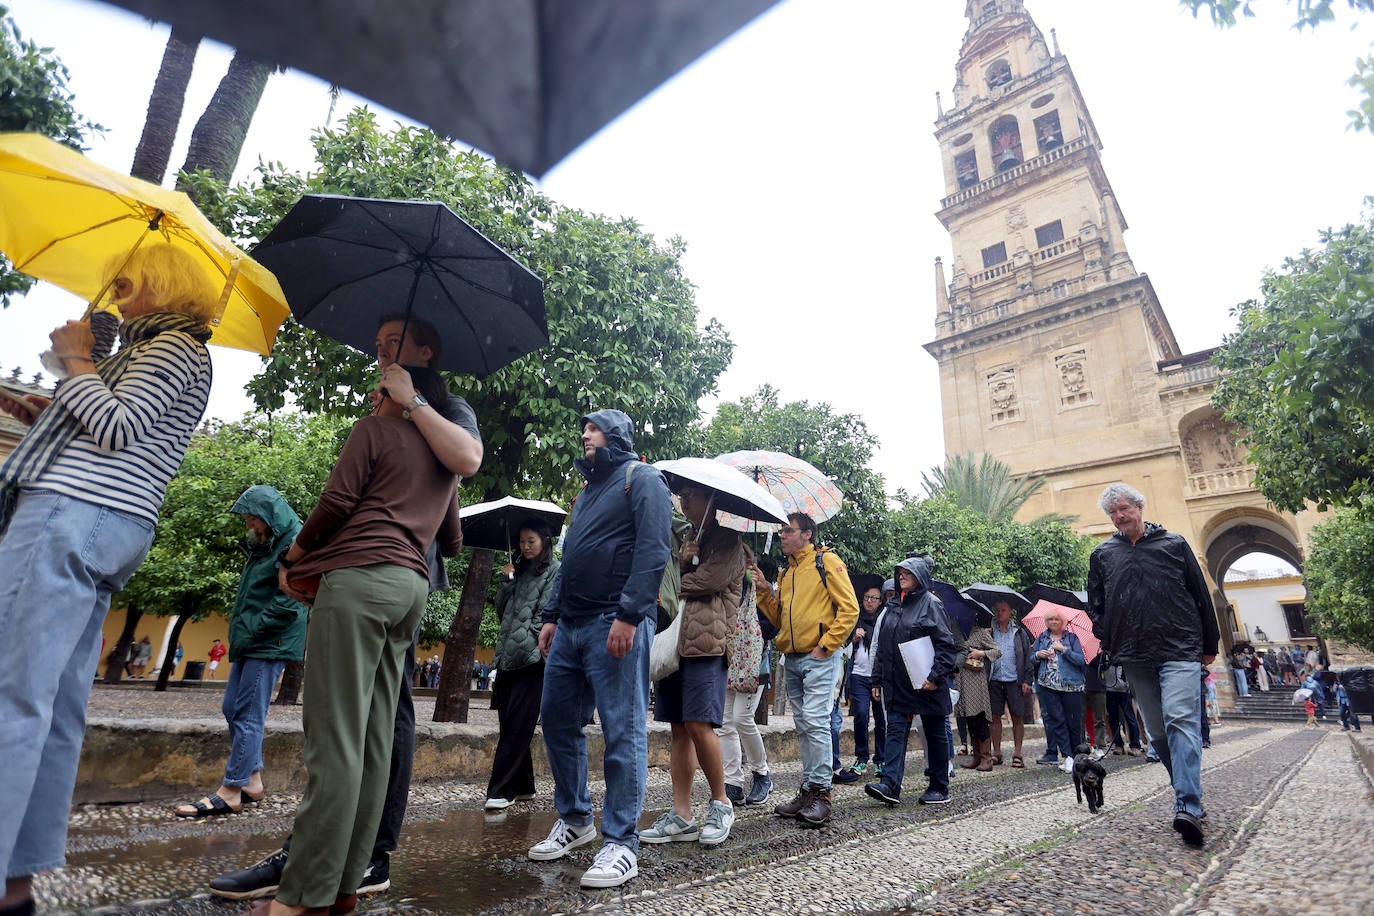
(1152, 610)
(598, 624)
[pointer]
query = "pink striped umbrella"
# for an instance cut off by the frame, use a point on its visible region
(1076, 622)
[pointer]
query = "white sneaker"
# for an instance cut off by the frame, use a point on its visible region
(562, 838)
(614, 865)
(1067, 765)
(496, 804)
(720, 817)
(1099, 753)
(669, 828)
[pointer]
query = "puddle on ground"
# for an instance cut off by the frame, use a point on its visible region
(463, 862)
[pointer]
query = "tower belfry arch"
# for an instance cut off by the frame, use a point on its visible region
(1055, 353)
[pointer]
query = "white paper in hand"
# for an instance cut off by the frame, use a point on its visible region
(919, 656)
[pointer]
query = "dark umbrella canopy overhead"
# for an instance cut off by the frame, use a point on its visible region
(964, 611)
(344, 262)
(1056, 595)
(989, 595)
(524, 80)
(496, 525)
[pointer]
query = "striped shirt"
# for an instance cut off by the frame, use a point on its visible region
(135, 435)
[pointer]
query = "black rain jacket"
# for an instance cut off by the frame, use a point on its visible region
(1149, 602)
(920, 613)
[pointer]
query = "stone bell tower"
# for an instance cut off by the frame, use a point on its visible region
(1055, 355)
(1049, 342)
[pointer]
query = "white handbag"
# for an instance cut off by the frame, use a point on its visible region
(663, 657)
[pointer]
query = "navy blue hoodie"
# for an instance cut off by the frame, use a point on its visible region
(617, 546)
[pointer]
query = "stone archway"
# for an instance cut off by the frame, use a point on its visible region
(1232, 534)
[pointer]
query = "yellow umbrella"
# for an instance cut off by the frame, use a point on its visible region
(62, 217)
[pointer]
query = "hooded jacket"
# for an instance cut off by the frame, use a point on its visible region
(617, 546)
(1149, 602)
(917, 613)
(266, 624)
(807, 613)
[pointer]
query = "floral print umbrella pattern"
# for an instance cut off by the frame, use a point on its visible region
(798, 485)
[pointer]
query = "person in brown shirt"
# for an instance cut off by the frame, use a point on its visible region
(360, 559)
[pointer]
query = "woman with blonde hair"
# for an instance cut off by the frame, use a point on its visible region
(79, 500)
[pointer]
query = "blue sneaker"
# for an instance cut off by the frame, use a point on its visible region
(883, 792)
(758, 792)
(931, 797)
(735, 794)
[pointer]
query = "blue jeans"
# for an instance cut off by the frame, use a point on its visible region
(62, 559)
(1169, 695)
(860, 691)
(579, 674)
(246, 696)
(1063, 712)
(810, 686)
(1242, 682)
(936, 730)
(836, 722)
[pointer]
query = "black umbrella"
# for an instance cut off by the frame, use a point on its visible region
(524, 80)
(963, 610)
(344, 262)
(989, 595)
(496, 525)
(1055, 595)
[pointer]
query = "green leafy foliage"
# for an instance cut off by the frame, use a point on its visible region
(34, 97)
(1339, 575)
(198, 553)
(984, 485)
(1308, 15)
(968, 546)
(1300, 373)
(839, 444)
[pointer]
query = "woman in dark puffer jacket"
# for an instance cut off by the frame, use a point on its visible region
(520, 686)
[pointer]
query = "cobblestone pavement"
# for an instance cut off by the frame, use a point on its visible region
(1010, 842)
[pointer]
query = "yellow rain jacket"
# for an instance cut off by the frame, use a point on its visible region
(806, 612)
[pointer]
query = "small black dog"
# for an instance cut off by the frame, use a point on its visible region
(1088, 777)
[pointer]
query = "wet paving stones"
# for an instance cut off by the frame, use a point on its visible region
(1011, 842)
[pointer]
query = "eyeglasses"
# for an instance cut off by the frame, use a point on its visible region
(873, 597)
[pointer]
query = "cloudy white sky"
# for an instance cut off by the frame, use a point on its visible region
(797, 162)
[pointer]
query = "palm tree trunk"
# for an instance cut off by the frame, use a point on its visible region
(164, 107)
(219, 134)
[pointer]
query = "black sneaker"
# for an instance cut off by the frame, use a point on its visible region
(1189, 827)
(845, 777)
(377, 878)
(883, 792)
(260, 880)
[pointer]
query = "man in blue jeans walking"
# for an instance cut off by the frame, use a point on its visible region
(1151, 609)
(598, 624)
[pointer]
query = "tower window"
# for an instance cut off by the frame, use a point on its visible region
(994, 254)
(1047, 132)
(966, 169)
(1049, 233)
(998, 74)
(1005, 136)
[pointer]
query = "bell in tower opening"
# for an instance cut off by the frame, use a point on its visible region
(1005, 135)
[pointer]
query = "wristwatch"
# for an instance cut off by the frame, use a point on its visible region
(283, 562)
(417, 401)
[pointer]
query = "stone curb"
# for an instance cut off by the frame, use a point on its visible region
(133, 760)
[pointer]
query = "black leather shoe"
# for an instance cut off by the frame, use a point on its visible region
(1188, 827)
(260, 880)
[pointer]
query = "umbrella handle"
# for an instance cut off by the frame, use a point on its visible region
(709, 517)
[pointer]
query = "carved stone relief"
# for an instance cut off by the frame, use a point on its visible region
(1072, 366)
(1003, 396)
(1210, 445)
(1016, 217)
